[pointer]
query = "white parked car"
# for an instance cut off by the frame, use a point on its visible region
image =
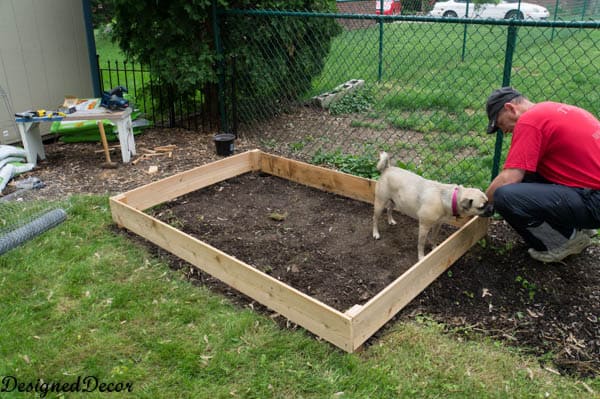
(505, 9)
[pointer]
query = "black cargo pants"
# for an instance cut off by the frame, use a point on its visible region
(545, 214)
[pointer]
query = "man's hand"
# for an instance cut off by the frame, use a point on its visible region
(506, 176)
(489, 211)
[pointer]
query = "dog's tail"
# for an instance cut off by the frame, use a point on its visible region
(384, 161)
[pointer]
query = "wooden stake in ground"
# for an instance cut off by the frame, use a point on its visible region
(108, 164)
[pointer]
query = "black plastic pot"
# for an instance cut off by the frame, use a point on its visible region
(224, 143)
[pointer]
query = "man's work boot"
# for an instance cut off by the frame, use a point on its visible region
(590, 232)
(573, 246)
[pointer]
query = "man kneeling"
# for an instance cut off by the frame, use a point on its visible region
(549, 188)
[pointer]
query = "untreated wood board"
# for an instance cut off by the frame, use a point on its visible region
(375, 313)
(182, 183)
(325, 179)
(347, 331)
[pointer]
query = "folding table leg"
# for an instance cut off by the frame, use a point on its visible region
(32, 141)
(126, 139)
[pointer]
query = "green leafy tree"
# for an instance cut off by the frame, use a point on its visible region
(176, 39)
(276, 57)
(173, 37)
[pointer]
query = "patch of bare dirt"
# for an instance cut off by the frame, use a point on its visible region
(321, 244)
(314, 241)
(75, 168)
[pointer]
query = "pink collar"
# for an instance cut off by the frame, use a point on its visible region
(455, 202)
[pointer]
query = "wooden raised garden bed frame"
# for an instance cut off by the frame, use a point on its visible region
(347, 330)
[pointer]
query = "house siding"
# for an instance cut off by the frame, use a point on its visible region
(43, 57)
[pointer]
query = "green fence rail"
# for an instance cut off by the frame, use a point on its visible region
(414, 86)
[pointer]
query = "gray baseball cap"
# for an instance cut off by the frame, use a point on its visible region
(496, 102)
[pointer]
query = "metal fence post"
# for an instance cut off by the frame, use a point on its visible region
(92, 52)
(555, 13)
(100, 77)
(584, 9)
(380, 70)
(220, 65)
(464, 46)
(171, 101)
(234, 112)
(511, 43)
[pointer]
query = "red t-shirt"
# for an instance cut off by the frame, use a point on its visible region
(560, 142)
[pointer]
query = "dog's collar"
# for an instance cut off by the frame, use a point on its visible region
(455, 202)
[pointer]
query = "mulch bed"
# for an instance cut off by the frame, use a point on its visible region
(321, 244)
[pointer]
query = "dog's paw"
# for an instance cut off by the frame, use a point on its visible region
(392, 222)
(376, 236)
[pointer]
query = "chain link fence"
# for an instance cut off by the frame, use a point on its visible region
(414, 86)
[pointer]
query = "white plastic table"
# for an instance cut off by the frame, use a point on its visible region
(29, 129)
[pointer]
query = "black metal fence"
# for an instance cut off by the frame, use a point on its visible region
(159, 103)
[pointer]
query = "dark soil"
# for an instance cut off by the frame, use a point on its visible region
(316, 242)
(321, 244)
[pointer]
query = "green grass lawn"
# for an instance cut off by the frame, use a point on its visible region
(451, 66)
(85, 300)
(106, 48)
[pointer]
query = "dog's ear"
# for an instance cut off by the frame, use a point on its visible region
(466, 203)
